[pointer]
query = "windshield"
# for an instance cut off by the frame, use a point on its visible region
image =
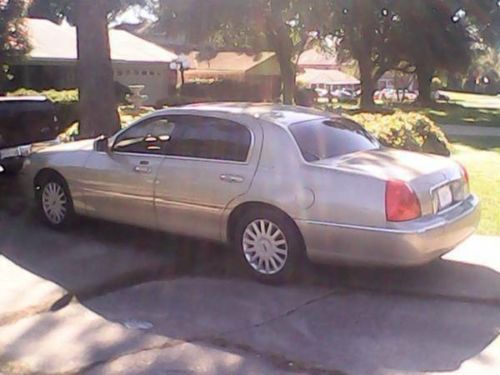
(329, 138)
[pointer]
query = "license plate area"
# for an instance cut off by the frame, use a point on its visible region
(442, 198)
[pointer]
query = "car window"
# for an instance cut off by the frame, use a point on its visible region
(149, 137)
(329, 138)
(209, 138)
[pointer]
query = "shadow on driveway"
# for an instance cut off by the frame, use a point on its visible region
(358, 320)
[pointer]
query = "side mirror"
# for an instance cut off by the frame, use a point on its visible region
(101, 144)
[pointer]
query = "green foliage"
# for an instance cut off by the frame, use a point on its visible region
(13, 40)
(222, 90)
(56, 96)
(282, 26)
(127, 116)
(407, 131)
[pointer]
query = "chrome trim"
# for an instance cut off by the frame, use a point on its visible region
(454, 203)
(368, 228)
(471, 199)
(138, 154)
(441, 184)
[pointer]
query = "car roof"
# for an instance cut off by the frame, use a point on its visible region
(284, 115)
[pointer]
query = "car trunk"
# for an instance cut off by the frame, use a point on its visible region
(428, 175)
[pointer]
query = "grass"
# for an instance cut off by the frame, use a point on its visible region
(462, 109)
(481, 157)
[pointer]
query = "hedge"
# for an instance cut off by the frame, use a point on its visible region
(56, 96)
(407, 131)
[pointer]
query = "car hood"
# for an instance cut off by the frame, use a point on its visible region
(84, 145)
(393, 164)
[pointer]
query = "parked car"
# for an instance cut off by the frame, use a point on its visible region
(24, 121)
(441, 96)
(277, 182)
(343, 94)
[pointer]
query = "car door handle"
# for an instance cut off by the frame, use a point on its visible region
(231, 178)
(142, 169)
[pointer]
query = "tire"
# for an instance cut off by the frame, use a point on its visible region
(54, 202)
(272, 257)
(12, 166)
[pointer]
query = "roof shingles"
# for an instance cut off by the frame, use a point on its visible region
(52, 42)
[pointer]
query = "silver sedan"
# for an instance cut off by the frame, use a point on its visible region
(278, 183)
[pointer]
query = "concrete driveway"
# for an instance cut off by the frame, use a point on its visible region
(106, 299)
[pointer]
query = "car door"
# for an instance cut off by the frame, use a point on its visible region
(119, 184)
(209, 162)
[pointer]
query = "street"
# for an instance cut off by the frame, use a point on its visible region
(110, 299)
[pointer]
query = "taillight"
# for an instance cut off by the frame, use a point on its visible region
(465, 174)
(401, 202)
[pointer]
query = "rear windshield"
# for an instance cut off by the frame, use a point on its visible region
(329, 138)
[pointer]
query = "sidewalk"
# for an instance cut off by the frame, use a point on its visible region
(471, 130)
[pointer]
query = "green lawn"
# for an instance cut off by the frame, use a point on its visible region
(462, 109)
(481, 156)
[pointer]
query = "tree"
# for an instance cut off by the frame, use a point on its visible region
(97, 102)
(13, 42)
(363, 31)
(283, 26)
(412, 36)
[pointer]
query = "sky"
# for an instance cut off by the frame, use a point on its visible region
(135, 14)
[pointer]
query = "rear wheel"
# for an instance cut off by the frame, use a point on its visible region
(55, 203)
(269, 244)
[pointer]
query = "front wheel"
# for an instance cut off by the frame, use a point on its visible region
(270, 245)
(55, 203)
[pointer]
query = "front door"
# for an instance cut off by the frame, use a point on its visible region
(209, 162)
(119, 184)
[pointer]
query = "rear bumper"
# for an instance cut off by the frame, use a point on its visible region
(405, 244)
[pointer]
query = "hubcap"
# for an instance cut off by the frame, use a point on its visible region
(265, 247)
(54, 202)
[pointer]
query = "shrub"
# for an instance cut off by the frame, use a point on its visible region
(407, 131)
(223, 90)
(129, 115)
(179, 100)
(56, 96)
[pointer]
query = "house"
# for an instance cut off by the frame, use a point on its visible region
(319, 69)
(316, 58)
(397, 80)
(52, 60)
(329, 79)
(261, 69)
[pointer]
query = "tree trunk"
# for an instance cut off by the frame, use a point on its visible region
(289, 83)
(97, 102)
(424, 77)
(367, 86)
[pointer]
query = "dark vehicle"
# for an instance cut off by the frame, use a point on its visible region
(24, 121)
